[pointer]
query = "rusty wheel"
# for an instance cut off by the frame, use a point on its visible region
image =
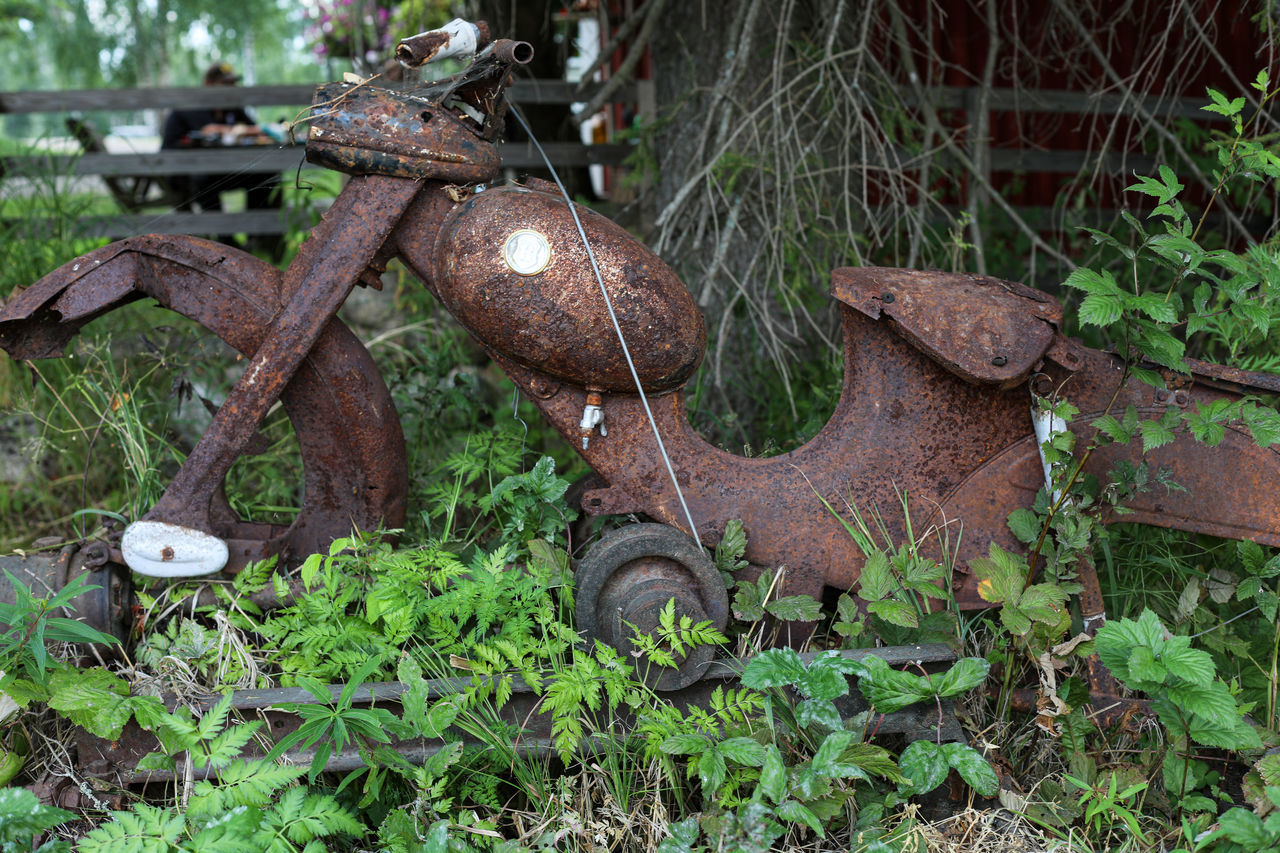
(352, 454)
(629, 576)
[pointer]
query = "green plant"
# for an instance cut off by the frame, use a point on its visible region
(1106, 810)
(1190, 701)
(23, 818)
(30, 624)
(331, 723)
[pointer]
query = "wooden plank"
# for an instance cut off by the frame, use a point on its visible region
(245, 222)
(204, 97)
(263, 159)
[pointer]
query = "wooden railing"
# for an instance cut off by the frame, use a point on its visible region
(287, 159)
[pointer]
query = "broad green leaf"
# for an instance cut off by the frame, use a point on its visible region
(773, 668)
(824, 682)
(1101, 308)
(1155, 434)
(1145, 670)
(711, 770)
(972, 767)
(797, 813)
(742, 750)
(773, 775)
(924, 764)
(1025, 524)
(963, 675)
(895, 612)
(795, 608)
(818, 711)
(1189, 664)
(887, 689)
(685, 743)
(876, 581)
(1213, 701)
(1043, 602)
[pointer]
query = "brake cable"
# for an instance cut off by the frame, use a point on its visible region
(617, 327)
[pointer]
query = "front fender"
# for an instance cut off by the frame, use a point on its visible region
(38, 322)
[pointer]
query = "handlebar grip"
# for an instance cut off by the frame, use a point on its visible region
(458, 38)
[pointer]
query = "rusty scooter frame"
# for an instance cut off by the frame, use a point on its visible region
(940, 373)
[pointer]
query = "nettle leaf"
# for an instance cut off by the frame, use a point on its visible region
(1092, 281)
(795, 608)
(1154, 305)
(685, 743)
(746, 603)
(1251, 556)
(825, 678)
(1155, 433)
(797, 813)
(1236, 735)
(1213, 701)
(964, 675)
(972, 767)
(711, 770)
(895, 613)
(1043, 602)
(1000, 575)
(733, 544)
(1263, 423)
(1189, 664)
(742, 750)
(1144, 667)
(924, 764)
(773, 775)
(1267, 602)
(1024, 524)
(1101, 308)
(873, 759)
(888, 689)
(773, 668)
(876, 580)
(818, 711)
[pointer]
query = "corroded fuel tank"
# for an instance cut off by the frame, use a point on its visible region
(511, 266)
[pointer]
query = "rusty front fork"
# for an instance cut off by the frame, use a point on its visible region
(315, 286)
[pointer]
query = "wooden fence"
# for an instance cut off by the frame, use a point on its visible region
(528, 94)
(997, 156)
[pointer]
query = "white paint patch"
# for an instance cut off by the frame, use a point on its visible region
(163, 550)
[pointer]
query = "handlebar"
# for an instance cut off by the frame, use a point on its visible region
(459, 39)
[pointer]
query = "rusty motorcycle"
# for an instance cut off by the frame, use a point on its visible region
(940, 371)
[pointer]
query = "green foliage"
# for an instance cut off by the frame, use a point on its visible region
(1105, 809)
(29, 624)
(1002, 579)
(332, 723)
(23, 817)
(1189, 699)
(672, 639)
(531, 505)
(925, 764)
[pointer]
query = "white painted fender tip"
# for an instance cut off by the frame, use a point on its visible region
(162, 550)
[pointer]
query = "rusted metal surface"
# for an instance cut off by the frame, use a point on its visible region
(939, 368)
(105, 608)
(627, 578)
(554, 319)
(352, 451)
(525, 712)
(443, 131)
(964, 453)
(981, 329)
(364, 130)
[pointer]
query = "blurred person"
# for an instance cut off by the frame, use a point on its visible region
(217, 127)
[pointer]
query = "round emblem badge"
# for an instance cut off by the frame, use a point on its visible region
(527, 252)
